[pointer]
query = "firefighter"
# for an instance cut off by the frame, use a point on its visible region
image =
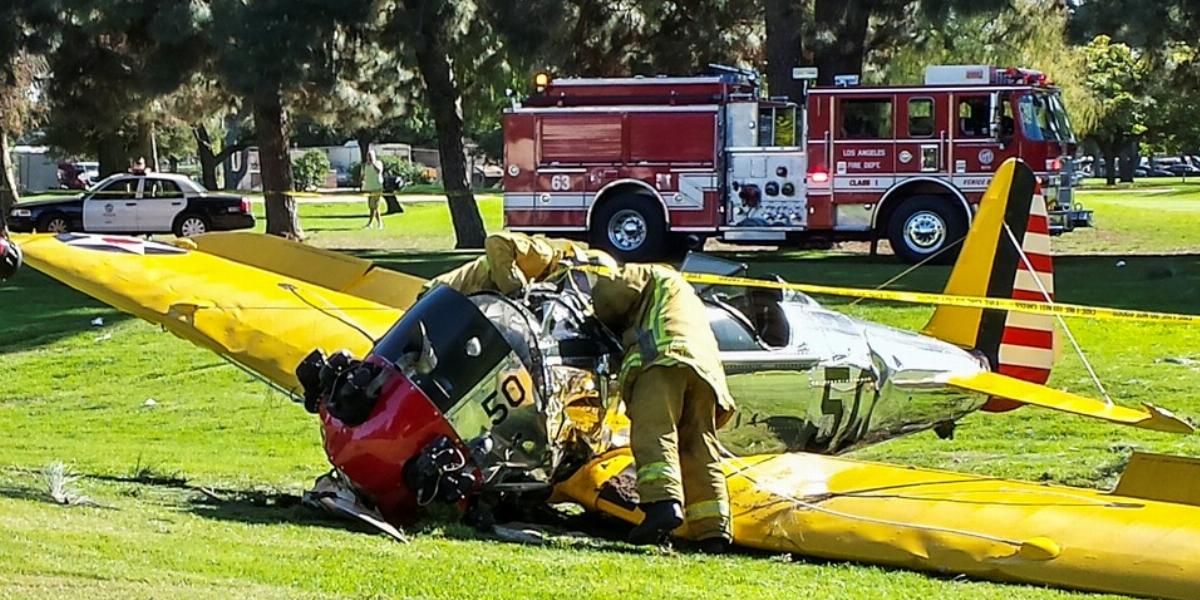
(676, 399)
(512, 261)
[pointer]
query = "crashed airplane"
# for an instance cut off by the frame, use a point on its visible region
(483, 400)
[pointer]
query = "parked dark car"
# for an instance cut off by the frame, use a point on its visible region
(1184, 170)
(139, 204)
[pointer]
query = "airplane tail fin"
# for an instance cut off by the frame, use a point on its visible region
(1018, 345)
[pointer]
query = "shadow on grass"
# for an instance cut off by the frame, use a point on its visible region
(36, 310)
(26, 494)
(328, 229)
(267, 508)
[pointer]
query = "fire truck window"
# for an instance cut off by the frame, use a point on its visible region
(866, 119)
(785, 126)
(920, 117)
(777, 126)
(973, 119)
(1007, 124)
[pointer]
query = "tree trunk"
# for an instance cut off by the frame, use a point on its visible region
(364, 139)
(445, 104)
(271, 124)
(1129, 161)
(1110, 162)
(208, 158)
(233, 133)
(147, 145)
(783, 22)
(841, 37)
(8, 183)
(111, 155)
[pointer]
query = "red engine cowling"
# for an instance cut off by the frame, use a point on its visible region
(373, 454)
(384, 420)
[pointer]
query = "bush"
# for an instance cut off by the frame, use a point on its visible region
(310, 170)
(407, 172)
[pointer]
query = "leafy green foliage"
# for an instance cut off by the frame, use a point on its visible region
(1172, 126)
(1028, 33)
(1164, 35)
(113, 61)
(310, 170)
(1118, 78)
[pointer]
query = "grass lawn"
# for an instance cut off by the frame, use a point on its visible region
(78, 393)
(1141, 219)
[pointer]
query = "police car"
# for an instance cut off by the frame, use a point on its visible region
(136, 203)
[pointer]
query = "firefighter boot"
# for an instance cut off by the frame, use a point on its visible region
(714, 545)
(661, 519)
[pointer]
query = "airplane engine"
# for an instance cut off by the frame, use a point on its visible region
(461, 394)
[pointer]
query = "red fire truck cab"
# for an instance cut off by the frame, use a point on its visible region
(644, 166)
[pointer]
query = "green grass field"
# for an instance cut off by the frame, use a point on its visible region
(78, 393)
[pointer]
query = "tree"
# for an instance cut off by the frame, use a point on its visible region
(1116, 78)
(598, 38)
(196, 114)
(840, 36)
(373, 90)
(1174, 85)
(23, 41)
(430, 30)
(1030, 33)
(784, 30)
(114, 60)
(269, 52)
(1165, 35)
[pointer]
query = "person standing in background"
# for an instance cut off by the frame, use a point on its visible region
(372, 184)
(138, 167)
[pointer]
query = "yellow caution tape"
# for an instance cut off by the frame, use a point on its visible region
(1025, 306)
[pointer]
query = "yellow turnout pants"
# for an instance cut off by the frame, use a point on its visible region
(673, 434)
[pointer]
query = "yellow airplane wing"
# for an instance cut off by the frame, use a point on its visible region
(948, 523)
(1024, 392)
(261, 319)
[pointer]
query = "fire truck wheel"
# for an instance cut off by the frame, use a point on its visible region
(923, 225)
(630, 227)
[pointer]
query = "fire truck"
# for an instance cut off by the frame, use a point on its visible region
(647, 166)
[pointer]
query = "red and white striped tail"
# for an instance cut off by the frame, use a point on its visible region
(1027, 344)
(1018, 345)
